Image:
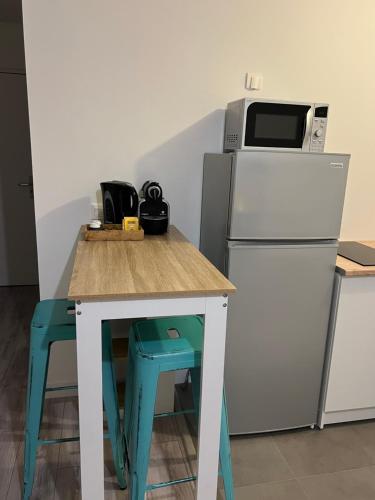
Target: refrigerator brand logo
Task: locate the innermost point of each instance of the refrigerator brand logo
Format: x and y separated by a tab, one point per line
336	165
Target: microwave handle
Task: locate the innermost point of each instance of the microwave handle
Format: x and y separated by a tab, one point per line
307	131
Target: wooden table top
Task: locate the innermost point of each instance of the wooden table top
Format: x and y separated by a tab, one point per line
347	267
167	265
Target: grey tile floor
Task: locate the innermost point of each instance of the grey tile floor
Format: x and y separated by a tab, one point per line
337	463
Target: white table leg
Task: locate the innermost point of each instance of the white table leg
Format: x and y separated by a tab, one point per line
211	397
89	363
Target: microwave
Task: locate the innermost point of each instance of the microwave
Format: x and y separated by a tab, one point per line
281	125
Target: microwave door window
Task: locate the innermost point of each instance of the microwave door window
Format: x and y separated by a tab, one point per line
276	125
279	127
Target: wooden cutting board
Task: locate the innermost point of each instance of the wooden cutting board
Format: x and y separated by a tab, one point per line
112	232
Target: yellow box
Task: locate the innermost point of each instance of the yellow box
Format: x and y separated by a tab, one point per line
130	224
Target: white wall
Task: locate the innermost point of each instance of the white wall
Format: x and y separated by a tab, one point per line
136	90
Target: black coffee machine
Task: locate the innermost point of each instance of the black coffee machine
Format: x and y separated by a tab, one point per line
153	209
120	199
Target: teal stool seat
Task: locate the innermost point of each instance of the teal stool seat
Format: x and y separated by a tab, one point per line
54	320
156	346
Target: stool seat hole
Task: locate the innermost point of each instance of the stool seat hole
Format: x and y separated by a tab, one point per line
173	333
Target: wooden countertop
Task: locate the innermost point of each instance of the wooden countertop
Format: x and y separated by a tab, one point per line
347	267
158	266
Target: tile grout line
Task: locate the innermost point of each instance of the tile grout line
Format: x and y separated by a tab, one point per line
176	441
352	469
187	466
283	458
302	488
262	483
303	476
54	416
58	468
14	468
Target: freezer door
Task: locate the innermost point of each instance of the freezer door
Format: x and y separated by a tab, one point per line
282	195
277	329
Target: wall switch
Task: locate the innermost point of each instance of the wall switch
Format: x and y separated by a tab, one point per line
254	81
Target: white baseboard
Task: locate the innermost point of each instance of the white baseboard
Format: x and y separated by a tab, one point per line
335	417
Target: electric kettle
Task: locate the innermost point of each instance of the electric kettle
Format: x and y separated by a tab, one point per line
120	199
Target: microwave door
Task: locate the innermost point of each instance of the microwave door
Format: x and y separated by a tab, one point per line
276	125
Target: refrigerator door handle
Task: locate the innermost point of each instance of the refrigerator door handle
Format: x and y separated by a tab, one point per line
307	131
285	244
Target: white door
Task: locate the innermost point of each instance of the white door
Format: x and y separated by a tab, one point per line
18	257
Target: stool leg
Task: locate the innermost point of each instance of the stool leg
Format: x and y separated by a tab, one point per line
195	374
145	389
112	409
38	369
129	392
225	454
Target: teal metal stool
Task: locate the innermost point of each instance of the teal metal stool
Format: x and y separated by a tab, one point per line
156	346
54	320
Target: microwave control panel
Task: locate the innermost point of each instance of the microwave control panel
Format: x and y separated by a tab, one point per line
319	128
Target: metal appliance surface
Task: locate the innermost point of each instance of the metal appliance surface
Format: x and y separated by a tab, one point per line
270	222
287	196
286	125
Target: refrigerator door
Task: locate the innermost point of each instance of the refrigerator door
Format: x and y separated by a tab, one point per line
282	195
277	329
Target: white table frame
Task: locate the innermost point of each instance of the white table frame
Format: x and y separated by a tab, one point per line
90	314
